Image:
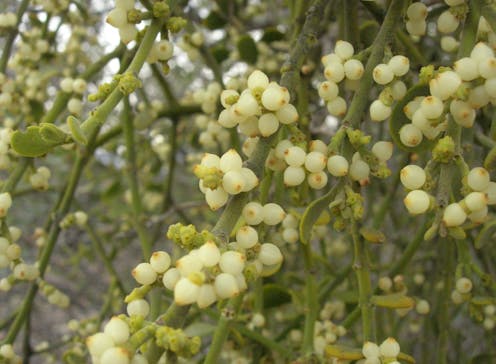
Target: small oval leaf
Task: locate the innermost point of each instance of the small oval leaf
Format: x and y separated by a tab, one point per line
486	234
275	295
372	235
313	213
394	300
490	161
76	131
247	49
343	352
30	143
52	134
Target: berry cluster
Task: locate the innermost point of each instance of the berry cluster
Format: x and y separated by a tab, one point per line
223	176
457	93
474	206
339	66
387	75
107	347
75	87
259	109
212	135
8	354
209	273
416	14
8	20
449	20
208	97
39	179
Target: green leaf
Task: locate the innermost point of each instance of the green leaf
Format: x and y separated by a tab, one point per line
483	359
372	235
30	143
368	32
37	109
486	234
483	300
343	352
52	134
394	300
215	20
490	161
271	34
220	53
275	295
313	213
398	119
76	131
247	49
199	329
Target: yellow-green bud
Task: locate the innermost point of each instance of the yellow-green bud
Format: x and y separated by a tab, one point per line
128	83
161	9
444	151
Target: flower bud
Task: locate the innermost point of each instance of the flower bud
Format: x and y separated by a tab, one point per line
412	177
144	274
186	292
273	214
417	202
226	286
253	213
454	215
270	254
117	329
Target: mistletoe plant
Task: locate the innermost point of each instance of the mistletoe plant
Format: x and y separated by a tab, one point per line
247	181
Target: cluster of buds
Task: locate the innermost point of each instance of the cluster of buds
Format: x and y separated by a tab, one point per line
339	66
259	109
223	176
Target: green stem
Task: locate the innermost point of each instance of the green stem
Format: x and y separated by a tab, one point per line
221	333
311	301
397	268
62	98
98	246
16	175
132	175
98	117
447	254
9	42
361	265
360	100
350	21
